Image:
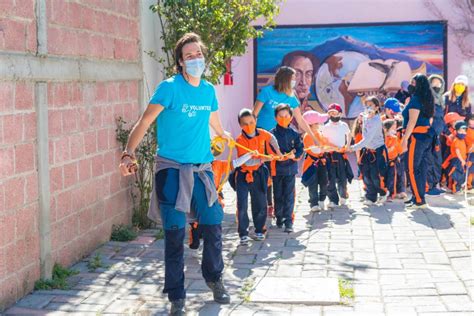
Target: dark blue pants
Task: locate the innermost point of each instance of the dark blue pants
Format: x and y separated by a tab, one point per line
374	172
258	200
395	177
174	223
284	195
337	177
457	173
434	165
419	147
316	179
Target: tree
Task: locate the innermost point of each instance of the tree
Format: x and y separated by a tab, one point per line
225	26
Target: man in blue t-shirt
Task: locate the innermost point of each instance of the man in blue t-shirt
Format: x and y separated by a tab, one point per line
184	106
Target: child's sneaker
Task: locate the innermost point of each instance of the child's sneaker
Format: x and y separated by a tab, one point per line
342	202
382	199
288	228
401	196
315	208
321	205
279	222
259	237
368	203
244	241
332	205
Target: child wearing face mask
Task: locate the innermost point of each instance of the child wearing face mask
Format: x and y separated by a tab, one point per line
457	98
373	155
457	158
338	135
392	109
284	176
252	176
395	173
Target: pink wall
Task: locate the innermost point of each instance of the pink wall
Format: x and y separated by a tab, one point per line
233	98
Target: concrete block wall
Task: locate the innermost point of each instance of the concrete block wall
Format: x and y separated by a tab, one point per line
68	68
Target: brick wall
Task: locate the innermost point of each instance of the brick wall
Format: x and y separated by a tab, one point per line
87	194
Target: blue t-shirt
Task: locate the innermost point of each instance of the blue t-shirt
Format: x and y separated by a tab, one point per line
271	99
183	126
414	104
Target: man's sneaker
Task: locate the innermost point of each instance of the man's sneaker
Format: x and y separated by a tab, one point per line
321	205
259	237
332	205
434	191
177	308
382	199
409	201
401	196
315	208
244	241
288	228
342	202
218	290
368	202
417	205
270	211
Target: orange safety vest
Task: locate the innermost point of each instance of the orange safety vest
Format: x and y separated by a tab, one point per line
394	146
456	144
308	142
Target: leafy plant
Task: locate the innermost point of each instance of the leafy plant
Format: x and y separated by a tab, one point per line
160	234
123	233
346	290
143	183
59	279
95	263
224	26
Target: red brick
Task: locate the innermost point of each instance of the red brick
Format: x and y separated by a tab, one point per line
13	32
26	9
7	161
14	193
84	44
58	12
90	142
54	123
123	91
74	13
96	115
12	129
29	274
79	198
56	179
55	36
84	170
108	116
24	158
51	152
64	205
23	96
7	6
77	146
72	227
101	92
114	181
32	188
31	39
84	118
7	231
61	94
88	18
8	288
69	120
125	49
97	46
6	96
29	126
102	139
113	91
70	174
97	166
3	265
26	223
109	24
109	162
108	45
133	90
61	150
85	220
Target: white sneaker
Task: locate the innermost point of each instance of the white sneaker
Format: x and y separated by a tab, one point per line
342	202
382	199
315	208
244	241
332	205
368	202
321	205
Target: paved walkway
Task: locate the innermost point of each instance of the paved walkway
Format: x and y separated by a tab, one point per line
398	262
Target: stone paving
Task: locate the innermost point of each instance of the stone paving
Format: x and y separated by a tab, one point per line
398	262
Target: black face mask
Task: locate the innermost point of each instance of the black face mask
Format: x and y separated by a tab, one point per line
437	89
411	89
335	119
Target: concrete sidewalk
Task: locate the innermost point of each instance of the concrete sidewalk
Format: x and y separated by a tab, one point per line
398	262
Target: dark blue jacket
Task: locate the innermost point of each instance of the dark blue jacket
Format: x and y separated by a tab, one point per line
456	106
288	139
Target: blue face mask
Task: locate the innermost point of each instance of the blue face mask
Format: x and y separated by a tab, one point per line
195	67
461	136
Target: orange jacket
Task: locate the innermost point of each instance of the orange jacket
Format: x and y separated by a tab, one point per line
469	138
394	146
308	142
461	145
260	142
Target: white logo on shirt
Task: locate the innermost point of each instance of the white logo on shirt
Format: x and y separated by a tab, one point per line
192	110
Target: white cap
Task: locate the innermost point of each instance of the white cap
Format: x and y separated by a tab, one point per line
461	79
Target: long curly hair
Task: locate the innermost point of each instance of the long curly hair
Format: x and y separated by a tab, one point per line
424	94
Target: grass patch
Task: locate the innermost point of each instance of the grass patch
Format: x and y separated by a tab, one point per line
246	289
123	233
346	290
59	280
472	220
160	234
96	263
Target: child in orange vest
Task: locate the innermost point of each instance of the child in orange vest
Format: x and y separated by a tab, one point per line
470	152
457	158
396	174
252	177
315	172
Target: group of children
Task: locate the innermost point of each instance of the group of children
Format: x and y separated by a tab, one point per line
267	158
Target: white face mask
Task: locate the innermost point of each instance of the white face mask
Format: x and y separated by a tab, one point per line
195	67
293	84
